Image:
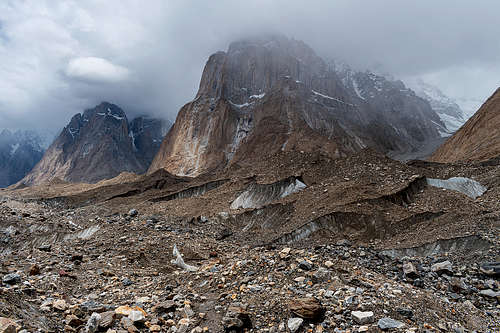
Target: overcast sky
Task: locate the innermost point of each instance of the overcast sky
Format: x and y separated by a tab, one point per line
59	57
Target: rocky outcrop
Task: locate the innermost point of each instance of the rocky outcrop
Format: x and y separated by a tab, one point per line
99	144
19	152
478	139
274	94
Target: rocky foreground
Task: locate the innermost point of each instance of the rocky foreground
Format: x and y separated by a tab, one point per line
140	264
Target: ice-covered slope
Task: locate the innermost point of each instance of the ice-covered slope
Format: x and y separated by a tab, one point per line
447	108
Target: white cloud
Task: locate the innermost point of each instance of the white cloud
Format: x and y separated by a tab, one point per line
96	70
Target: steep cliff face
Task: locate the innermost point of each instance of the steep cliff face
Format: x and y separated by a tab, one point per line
478	139
412	116
147	134
98	144
19	152
271	94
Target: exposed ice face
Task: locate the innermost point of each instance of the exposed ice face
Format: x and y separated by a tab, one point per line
260	95
467	186
258	195
178	261
292	188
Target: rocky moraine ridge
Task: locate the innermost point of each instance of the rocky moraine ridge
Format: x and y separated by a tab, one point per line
302	254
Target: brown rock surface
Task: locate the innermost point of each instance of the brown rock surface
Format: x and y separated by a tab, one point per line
268	95
478	139
307	308
98	144
343	240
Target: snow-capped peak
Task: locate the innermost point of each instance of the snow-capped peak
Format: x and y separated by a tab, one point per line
448	109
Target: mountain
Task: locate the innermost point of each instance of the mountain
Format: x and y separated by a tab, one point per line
99	144
448	109
147	134
478	139
20	150
385	93
273	94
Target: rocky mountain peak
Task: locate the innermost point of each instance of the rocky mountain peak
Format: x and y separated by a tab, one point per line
99	144
271	94
448	109
252	67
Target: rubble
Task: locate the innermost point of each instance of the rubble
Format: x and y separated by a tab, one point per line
408	264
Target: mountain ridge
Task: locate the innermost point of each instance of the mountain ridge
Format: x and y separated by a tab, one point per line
285	82
98	144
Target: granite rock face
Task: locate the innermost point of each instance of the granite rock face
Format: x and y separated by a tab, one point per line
98	144
274	94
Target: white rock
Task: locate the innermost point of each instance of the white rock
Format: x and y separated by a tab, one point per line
442	267
294	324
362	317
136	316
93	323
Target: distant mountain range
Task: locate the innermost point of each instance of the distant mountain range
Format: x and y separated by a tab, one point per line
447	108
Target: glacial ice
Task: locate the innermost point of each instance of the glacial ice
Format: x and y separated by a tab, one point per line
467	186
258	195
180	262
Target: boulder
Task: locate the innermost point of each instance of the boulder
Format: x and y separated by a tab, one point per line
12	278
362	317
307	308
410	271
443	267
389	323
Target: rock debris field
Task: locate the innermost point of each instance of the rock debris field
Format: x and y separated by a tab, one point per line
364	244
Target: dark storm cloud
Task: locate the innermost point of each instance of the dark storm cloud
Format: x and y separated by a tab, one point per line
60	57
